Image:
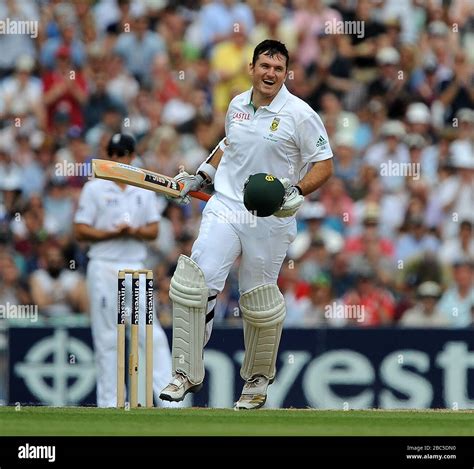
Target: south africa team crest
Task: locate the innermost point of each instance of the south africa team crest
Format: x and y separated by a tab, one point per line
274	125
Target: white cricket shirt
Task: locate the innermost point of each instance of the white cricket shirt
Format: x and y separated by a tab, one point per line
105	206
282	139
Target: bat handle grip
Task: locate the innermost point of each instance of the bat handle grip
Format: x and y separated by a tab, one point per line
200	195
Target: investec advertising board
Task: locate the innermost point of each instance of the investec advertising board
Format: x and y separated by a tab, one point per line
323	368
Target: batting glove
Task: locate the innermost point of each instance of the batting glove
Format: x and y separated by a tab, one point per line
291	202
191	182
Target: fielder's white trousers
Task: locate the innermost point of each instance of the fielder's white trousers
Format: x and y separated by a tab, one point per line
102	286
227	231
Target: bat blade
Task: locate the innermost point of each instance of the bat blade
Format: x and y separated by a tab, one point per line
119	172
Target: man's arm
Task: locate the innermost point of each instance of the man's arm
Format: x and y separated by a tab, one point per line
316	176
147	232
294	194
213	160
84	232
204	174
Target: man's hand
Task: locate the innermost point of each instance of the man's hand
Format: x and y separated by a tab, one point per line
191	182
291	202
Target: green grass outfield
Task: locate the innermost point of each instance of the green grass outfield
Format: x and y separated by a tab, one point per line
75	421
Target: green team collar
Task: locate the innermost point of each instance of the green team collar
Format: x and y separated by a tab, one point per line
278	101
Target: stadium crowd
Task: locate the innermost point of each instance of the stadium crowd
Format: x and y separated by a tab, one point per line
388	240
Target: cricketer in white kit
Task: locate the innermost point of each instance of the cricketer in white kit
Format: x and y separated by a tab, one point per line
268	130
118	219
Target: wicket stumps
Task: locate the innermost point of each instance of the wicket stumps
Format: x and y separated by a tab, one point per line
134	327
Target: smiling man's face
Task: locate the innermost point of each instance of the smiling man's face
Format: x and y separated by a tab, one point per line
268	75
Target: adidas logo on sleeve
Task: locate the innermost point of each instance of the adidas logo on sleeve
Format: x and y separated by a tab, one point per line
321	142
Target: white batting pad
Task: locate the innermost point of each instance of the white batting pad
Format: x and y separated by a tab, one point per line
189	293
263	311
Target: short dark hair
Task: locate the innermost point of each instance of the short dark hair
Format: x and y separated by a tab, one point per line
270	47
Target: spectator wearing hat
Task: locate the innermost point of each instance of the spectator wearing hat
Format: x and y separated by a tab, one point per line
464	142
64	93
458	300
16	45
21	94
313	214
455	193
347	167
416	239
388	210
390	152
423	156
418	119
425	313
388	85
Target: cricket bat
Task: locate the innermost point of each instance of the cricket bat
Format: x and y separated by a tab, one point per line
114	171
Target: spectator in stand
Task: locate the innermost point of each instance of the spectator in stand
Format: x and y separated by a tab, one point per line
57	290
458	300
375	305
65	89
217	19
425	313
457	92
22	94
460	247
13	289
389	84
68	40
139	47
229	63
416	239
317	309
389	153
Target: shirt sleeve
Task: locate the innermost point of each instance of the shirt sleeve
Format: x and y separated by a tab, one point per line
86	212
312	140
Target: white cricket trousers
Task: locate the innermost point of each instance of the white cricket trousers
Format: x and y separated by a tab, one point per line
227	231
102	286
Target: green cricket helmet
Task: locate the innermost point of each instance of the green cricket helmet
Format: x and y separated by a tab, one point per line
263	194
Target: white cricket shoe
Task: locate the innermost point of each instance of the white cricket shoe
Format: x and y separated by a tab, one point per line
254	393
178	388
